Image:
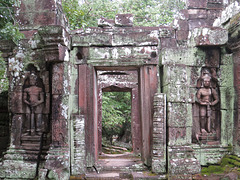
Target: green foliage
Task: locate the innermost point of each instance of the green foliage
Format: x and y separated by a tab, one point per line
3	78
74	13
146	12
8	27
116	113
8	31
6	12
11	32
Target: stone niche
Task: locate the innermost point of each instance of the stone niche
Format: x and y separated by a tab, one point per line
206	110
35	104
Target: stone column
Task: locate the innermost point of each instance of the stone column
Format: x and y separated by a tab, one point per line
159	159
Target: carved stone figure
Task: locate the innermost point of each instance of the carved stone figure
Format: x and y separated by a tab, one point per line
207	97
33	96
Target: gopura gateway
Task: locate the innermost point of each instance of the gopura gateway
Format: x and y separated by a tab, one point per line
184	82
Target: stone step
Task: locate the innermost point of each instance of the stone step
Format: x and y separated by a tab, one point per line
31	138
35	147
120	164
115	175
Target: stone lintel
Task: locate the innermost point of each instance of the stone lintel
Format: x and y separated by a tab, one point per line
119	37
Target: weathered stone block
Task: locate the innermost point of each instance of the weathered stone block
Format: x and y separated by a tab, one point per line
182	161
179	136
181	35
42	174
196	23
213	14
197	13
99	39
73	101
53	37
181	25
210	154
159	134
210	36
59	131
145	38
131	37
177	93
19	170
125	20
166	32
123	56
57	78
158	166
184	14
195	74
102	22
215	4
176	74
197	4
168	43
227	59
46	107
184	166
191	57
17	105
179	114
227	127
228	13
78	163
227	97
226	76
17	124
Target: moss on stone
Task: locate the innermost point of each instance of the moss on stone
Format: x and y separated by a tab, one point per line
229	163
213	169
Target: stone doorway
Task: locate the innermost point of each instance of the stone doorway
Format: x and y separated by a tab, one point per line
143	88
121	81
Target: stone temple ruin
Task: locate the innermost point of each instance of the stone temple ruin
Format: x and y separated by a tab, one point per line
184	80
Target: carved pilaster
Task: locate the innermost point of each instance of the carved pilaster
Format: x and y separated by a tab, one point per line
159	134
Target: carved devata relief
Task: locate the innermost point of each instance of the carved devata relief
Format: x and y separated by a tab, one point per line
206	109
34	99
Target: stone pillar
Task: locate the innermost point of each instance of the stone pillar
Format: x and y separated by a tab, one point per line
78	162
87	108
148	88
159	156
236	136
136	122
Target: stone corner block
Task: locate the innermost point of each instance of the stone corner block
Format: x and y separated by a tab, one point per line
103	22
210	36
124	20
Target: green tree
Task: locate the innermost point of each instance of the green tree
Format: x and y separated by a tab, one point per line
146	12
116	113
3	75
9	30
